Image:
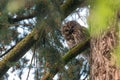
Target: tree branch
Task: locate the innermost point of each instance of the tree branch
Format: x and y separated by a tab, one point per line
20	18
81	47
71	5
72	53
23	46
17	52
66	8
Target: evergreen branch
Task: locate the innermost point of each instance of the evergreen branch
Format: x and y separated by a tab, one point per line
24	45
71	5
66	8
81	47
9	49
17	52
20	18
31	62
72	53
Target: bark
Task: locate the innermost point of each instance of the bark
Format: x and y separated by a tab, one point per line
102	64
23	46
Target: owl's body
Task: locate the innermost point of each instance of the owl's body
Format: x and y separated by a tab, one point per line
74	33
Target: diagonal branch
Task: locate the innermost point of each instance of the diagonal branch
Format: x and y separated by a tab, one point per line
84	45
81	47
17	52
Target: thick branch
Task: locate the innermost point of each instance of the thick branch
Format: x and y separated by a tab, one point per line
75	51
17	52
67	57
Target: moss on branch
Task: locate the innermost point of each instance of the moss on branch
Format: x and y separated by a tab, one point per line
72	53
23	46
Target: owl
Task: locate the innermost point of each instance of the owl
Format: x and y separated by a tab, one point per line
73	33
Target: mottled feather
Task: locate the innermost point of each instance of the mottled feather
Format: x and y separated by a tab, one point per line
73	33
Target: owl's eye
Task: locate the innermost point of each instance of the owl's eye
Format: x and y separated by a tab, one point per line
66	30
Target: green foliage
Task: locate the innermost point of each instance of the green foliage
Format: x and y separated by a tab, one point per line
102	15
49	47
3	4
3	19
6	33
15	5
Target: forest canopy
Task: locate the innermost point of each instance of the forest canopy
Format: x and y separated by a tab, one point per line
32	45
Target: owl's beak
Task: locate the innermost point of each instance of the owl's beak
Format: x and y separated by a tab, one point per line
71	31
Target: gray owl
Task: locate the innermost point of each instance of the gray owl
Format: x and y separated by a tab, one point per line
73	33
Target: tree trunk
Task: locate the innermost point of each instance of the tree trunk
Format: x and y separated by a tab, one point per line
102	65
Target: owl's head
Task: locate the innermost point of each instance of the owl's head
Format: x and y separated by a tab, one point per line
73	33
69	27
